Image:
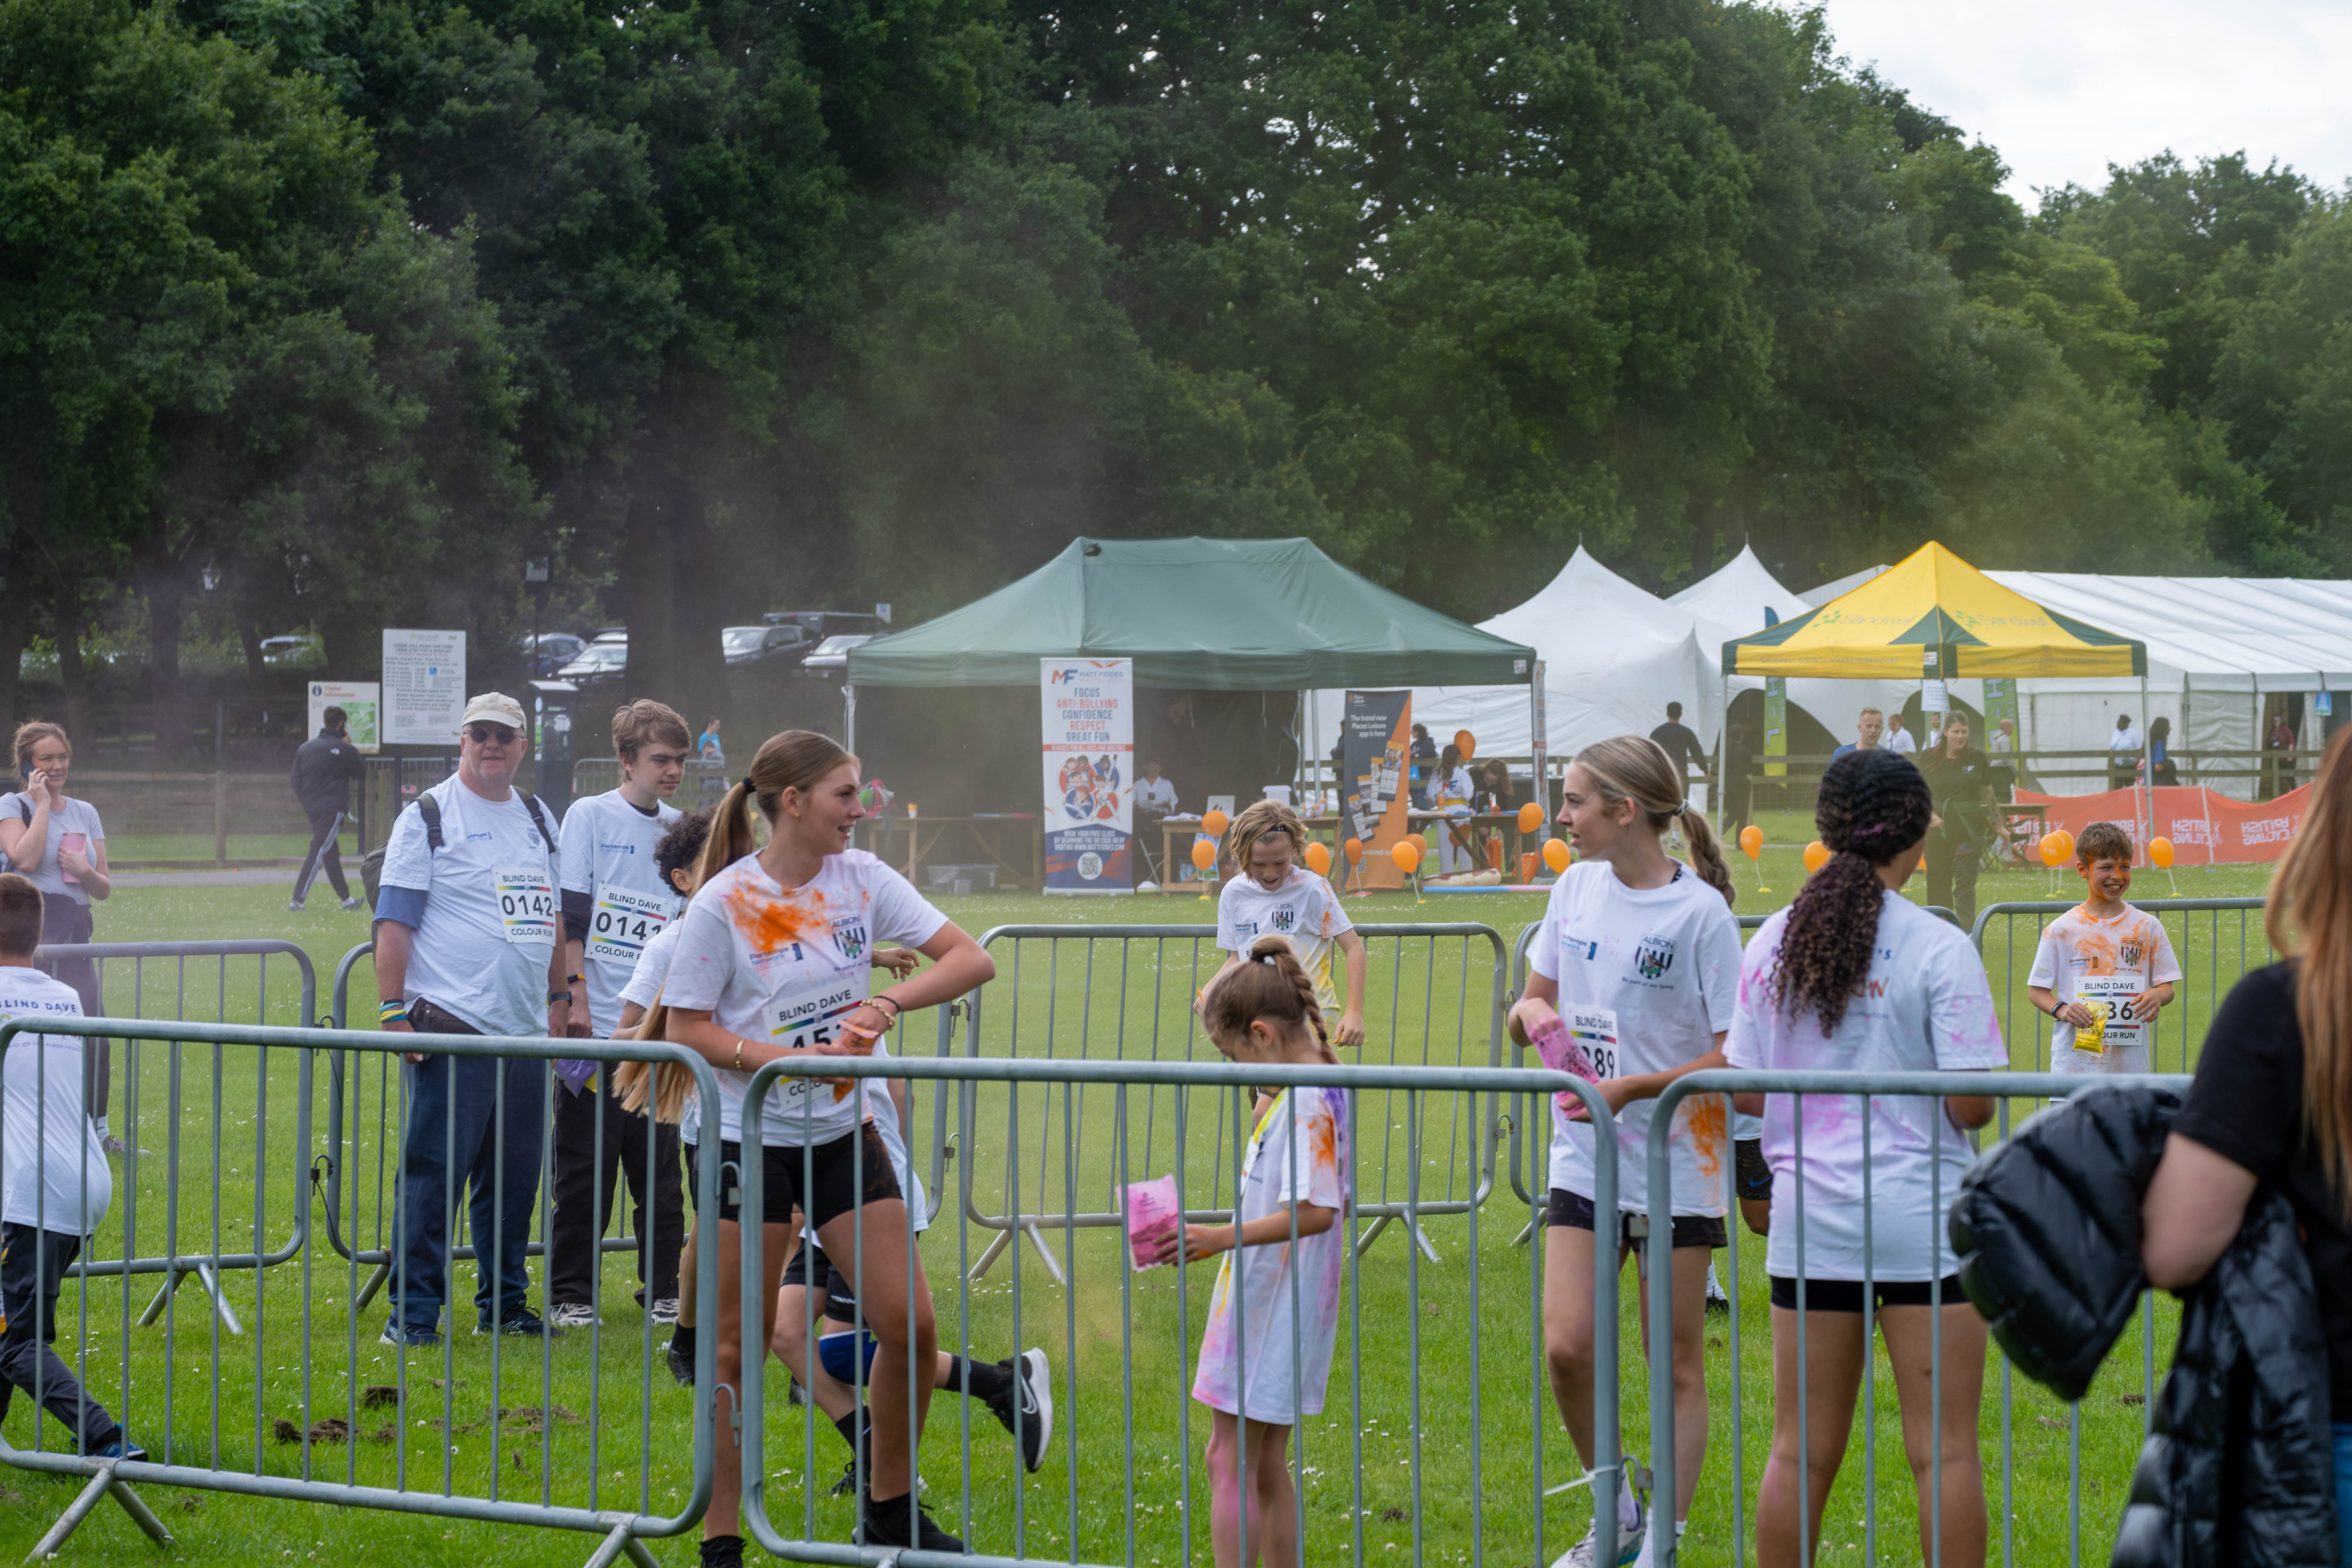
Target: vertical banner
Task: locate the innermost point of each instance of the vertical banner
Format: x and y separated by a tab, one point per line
1776	724
1539	733
1088	706
1376	750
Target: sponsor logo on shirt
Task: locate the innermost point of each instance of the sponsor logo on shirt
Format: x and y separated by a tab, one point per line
618	849
1284	919
1579	947
849	936
1653	957
477	837
1245	928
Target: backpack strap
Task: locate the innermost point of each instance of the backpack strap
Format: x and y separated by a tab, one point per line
539	819
430	810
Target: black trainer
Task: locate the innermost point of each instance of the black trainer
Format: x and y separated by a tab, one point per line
523	1322
1026	1406
401	1334
681	1365
722	1551
901	1522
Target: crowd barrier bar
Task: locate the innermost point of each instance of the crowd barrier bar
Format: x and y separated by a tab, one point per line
175	1264
2004	1087
1484	1133
622	1530
1232	1080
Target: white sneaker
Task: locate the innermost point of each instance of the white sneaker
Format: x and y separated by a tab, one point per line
573	1315
1630	1545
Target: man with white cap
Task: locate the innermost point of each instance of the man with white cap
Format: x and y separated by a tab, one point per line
467	933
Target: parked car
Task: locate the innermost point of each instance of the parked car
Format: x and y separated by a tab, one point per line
821	624
556	649
764	645
832	656
606	658
293	648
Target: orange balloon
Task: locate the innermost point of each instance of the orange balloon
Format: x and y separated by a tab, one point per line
1318	858
1466	744
2161	851
1531	817
1556	854
1354	849
1205	853
1216	823
2053	848
1817	855
1751	842
1406	853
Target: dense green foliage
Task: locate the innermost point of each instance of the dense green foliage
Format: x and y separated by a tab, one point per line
344	307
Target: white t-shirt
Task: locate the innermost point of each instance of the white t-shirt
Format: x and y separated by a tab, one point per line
2123	741
1925	1006
1281	1168
1646	979
1159	793
1450	789
74	817
784	967
1901	740
608	856
42	1182
486	934
1304	908
2082	959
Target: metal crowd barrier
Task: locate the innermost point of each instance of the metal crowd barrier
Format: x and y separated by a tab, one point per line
1125	994
422	1458
161	1246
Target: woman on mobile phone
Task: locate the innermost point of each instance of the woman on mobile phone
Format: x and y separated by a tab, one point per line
57	842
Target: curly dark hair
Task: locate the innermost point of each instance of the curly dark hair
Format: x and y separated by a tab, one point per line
1873	805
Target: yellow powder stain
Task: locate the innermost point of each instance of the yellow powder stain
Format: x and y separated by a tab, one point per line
1703	1114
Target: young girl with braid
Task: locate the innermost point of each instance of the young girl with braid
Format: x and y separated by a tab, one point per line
1854	977
1635	959
1266	1354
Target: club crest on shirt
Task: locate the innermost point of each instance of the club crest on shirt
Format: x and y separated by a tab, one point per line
1653	957
849	936
1282	920
2128	955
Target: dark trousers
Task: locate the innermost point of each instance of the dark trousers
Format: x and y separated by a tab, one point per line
480	1121
585	1178
33	1263
326	854
65	922
1737	800
1952	879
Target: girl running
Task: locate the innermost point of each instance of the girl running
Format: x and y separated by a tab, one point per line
1275	894
1285	1258
1638	955
1853	976
771	963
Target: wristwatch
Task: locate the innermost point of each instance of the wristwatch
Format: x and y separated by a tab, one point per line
555	996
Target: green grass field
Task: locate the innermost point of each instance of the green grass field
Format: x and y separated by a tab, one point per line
539	1427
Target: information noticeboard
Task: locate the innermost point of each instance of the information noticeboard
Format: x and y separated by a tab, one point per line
359	701
423	686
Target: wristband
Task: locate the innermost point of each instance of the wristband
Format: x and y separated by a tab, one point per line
555	996
392	1012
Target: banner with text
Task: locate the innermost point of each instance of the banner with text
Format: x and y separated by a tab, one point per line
2205	828
1089	764
423	686
1376	755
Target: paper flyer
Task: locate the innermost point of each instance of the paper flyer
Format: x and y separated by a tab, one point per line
1153	1211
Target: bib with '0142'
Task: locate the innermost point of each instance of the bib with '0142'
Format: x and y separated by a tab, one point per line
527	906
623	922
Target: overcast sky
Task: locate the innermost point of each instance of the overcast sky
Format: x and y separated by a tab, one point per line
2063	87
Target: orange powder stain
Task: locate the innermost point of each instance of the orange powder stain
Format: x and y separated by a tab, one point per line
773	923
1703	1117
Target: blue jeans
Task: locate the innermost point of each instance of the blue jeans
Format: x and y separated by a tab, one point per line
485	1119
2344	1491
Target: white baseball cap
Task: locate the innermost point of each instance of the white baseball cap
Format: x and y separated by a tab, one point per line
492	707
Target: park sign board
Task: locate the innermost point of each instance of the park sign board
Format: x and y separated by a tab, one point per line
423	686
357	700
1089	760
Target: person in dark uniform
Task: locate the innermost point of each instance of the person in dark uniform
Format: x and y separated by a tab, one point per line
1739	792
1681	746
324	767
1960	778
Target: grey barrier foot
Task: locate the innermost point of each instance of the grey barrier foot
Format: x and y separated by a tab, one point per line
622	1542
375	1283
1052	1264
100	1483
1419	1237
1004	1238
1527	1233
172	1279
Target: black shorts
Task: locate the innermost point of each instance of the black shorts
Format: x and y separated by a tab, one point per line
832	1175
810	1263
1573	1211
1751	1174
1845	1295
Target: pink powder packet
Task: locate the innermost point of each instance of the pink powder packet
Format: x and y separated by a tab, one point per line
1558	1050
1153	1211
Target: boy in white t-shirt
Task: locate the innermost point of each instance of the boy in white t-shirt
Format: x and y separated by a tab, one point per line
2103	970
1276	895
54	1183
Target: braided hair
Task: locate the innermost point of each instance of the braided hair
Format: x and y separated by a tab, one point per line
1268	983
1873	805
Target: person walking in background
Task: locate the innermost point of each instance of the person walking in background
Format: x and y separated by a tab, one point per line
1869	729
707	748
325	767
615	901
1960	777
1854	977
1898	740
2123	754
467	942
1270	893
57	844
1681	746
1738	784
2278	759
2162	771
1423	753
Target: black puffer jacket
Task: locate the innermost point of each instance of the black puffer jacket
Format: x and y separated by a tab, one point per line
2238	1466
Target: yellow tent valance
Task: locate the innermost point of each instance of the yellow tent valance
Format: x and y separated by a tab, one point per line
1935	615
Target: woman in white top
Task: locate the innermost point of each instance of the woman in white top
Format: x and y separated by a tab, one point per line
57	842
771	963
1635	959
1449	792
1855	977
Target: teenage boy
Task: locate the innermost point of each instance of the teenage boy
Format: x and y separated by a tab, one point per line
2102	957
54	1183
616	901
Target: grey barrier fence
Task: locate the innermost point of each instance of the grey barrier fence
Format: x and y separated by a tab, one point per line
1125	1342
412	1464
1130	988
353	1175
161	1246
1936	1530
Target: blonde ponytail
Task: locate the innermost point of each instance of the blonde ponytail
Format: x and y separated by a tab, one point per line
667	1084
1707	854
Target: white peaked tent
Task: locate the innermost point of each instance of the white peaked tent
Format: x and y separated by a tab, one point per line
1737	596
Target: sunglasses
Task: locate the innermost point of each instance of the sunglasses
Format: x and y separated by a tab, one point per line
483	735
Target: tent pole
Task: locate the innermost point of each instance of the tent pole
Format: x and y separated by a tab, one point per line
1722	755
849	719
2146	764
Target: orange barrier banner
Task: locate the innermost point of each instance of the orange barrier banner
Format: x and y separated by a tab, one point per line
2205	828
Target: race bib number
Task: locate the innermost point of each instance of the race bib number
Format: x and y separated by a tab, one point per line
2107	994
623	922
527	906
1595	1029
814	1016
